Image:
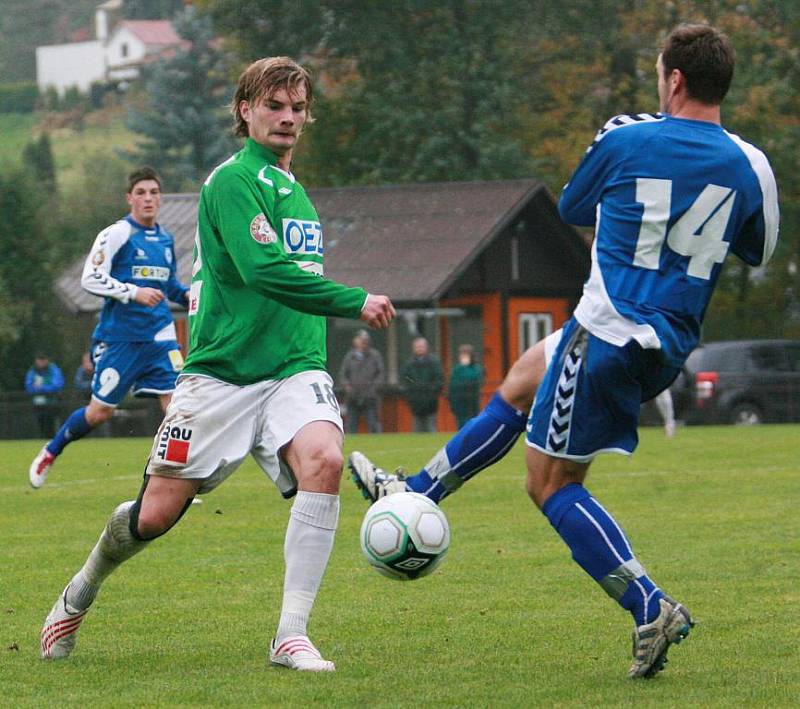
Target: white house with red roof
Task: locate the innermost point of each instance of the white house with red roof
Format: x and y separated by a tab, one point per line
117	53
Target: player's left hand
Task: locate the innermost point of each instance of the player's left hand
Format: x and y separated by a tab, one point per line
148	296
378	311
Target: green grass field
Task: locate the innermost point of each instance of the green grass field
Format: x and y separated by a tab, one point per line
507	621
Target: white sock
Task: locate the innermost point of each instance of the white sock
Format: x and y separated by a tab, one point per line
309	540
665	407
116	544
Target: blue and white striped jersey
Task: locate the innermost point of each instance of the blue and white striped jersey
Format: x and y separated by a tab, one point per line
124	257
668	197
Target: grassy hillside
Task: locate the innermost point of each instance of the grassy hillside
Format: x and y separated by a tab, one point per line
98	135
102	134
16	130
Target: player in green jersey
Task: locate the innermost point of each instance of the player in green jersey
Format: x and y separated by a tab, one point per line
255	380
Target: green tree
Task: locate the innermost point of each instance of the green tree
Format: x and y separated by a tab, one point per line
13	316
27	24
38	242
436	96
151	9
409	91
283	26
38	158
475	89
182	112
25	274
91	203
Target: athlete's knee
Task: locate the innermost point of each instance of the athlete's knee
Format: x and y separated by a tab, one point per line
164	400
327	462
321	469
151	518
117	541
150	523
533	486
547	475
541	486
518	393
518	389
97	413
523	379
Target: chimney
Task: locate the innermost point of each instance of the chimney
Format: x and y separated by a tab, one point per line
101	24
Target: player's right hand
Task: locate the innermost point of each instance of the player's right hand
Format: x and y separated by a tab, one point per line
148	296
378	311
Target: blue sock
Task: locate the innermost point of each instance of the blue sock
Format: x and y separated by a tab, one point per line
482	441
602	550
75	427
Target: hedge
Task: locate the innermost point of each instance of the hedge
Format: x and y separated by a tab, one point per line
18	97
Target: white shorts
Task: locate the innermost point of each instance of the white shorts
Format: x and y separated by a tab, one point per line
210	426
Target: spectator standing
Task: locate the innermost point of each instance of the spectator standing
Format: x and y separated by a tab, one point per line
361	374
43	381
464	391
83	375
423	379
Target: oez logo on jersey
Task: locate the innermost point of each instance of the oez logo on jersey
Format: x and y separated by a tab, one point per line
302	237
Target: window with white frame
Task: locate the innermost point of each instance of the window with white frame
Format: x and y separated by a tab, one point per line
532	328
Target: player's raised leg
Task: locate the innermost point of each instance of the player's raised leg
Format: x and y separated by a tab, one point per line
315	456
481	442
130	528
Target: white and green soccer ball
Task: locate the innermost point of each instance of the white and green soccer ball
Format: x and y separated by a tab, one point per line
405	536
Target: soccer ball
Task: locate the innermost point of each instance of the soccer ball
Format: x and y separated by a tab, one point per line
405	536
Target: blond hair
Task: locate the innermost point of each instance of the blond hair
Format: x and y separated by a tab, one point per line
262	79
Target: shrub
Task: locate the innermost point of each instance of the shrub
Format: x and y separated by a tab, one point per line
18	97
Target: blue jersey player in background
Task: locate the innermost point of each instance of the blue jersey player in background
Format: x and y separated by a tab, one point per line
669	196
134	346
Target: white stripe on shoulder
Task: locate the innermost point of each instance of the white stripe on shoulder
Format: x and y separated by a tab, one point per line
626	119
96	277
214	171
769	193
113	238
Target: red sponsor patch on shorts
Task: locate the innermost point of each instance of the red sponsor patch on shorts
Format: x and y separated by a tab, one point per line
177	451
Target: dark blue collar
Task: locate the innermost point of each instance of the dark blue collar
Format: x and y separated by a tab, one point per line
156	229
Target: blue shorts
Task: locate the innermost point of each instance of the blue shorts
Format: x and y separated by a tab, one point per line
149	368
591	394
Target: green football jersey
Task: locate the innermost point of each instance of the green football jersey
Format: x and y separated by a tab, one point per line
258	299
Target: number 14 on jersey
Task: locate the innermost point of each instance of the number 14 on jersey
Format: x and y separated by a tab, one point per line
698	234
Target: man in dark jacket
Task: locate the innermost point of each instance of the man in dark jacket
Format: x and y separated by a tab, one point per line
423	379
361	374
